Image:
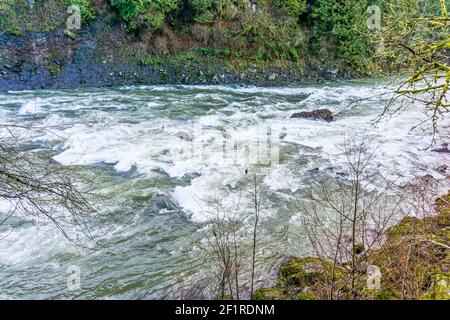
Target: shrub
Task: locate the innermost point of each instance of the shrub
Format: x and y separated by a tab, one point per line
202	9
9	18
346	26
140	13
207	10
292	7
87	11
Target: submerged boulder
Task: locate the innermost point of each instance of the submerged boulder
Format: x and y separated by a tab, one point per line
442	149
163	202
183	136
320	114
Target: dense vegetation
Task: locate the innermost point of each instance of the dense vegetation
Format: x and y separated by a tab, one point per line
297	31
423	46
333	33
305	33
18	16
151	13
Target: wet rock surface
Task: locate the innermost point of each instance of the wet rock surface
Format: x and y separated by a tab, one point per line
321	114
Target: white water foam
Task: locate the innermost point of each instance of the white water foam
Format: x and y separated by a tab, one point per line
144	133
152	142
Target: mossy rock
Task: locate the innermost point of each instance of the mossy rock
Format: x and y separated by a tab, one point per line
269	294
443	209
70	34
306	295
443	206
302	272
440	288
408	225
445	232
386	294
42	16
439	236
443	219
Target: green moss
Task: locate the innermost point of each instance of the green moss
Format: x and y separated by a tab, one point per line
269	294
54	69
443	210
440	288
205	56
407	225
14	31
386	294
273	76
70	34
301	272
224	297
445	232
306	296
428	262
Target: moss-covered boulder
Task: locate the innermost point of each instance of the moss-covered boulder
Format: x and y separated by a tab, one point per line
306	295
439	289
414	262
387	294
406	226
442	206
301	272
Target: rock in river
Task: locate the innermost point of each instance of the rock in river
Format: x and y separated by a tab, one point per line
163	202
442	149
321	114
183	136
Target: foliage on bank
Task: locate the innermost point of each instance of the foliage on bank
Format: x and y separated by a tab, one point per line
320	34
18	17
306	33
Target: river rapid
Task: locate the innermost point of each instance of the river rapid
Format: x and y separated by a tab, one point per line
161	152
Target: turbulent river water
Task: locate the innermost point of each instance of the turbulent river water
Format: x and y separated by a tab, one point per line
159	153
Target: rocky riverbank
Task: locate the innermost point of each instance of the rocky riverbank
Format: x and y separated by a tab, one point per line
55	61
414	263
105	53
